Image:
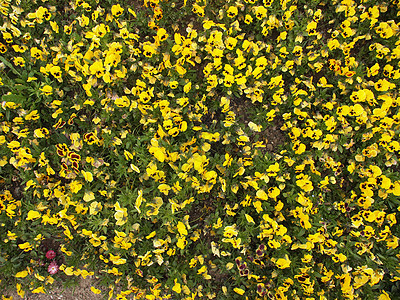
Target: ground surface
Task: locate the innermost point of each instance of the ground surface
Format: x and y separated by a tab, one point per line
81	292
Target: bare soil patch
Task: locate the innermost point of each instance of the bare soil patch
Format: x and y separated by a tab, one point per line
79	292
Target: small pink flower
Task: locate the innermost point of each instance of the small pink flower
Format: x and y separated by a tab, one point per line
53	268
50	254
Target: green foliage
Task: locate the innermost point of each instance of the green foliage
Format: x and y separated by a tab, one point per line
201	149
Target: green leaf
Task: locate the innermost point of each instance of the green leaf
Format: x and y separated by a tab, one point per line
13	98
340	148
301	232
8	64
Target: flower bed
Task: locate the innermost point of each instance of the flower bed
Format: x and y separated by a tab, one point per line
201	149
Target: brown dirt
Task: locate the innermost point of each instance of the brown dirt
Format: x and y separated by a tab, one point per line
274	136
80	292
